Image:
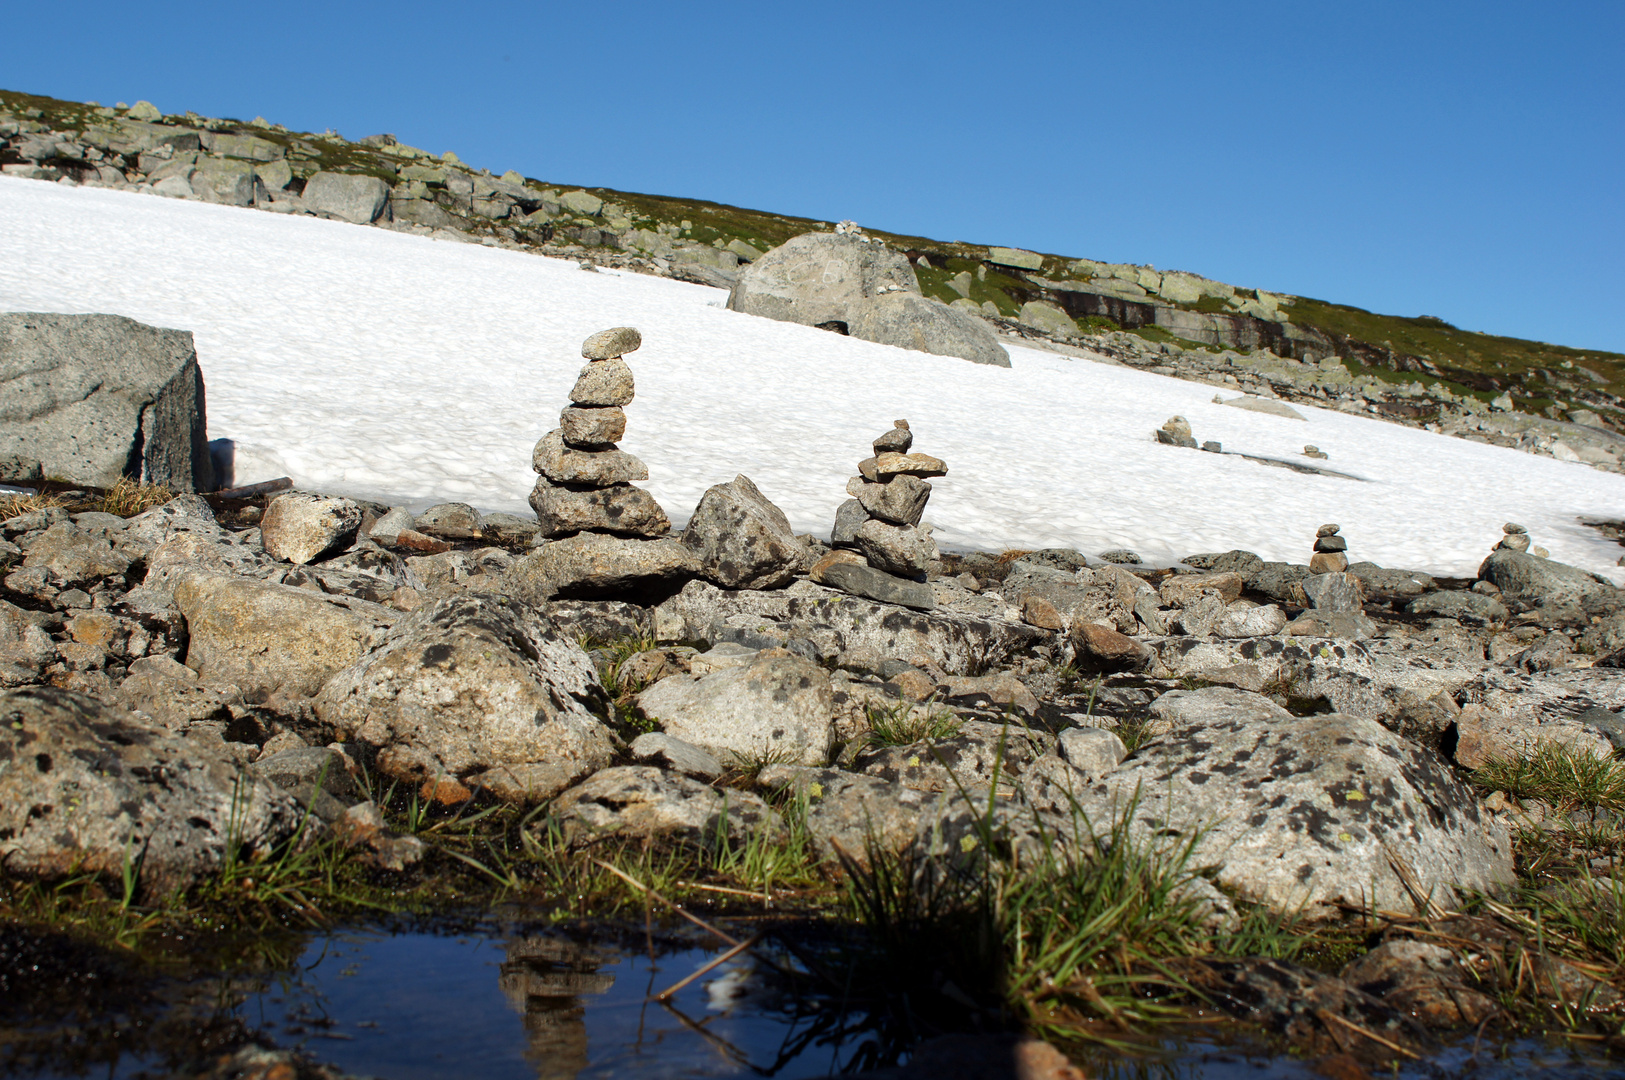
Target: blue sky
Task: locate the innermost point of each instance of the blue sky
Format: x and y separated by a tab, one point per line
1450	159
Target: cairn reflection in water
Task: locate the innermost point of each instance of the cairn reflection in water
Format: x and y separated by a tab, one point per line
544	979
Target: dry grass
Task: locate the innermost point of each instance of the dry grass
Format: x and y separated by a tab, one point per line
12	505
128	498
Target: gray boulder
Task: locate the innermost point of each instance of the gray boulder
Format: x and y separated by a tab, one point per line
778	707
1536	582
564	464
297	527
94	398
865	581
231	183
360	199
25	647
896	549
1337	594
591	564
604	384
91	787
315	777
743	541
476	689
1470	608
623	509
641	801
1092	751
849	518
925	324
1310	811
266	638
450	521
615	342
818	279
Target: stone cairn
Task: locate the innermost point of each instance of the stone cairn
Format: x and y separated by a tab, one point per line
1516	538
1331	551
882	518
585	481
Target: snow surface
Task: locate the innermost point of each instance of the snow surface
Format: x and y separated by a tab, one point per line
385	365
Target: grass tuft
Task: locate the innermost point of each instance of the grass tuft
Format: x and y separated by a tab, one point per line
1565	778
905	723
127	498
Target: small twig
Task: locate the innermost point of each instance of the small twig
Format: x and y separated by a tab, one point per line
1413	885
1372	1035
642	888
724	889
718	961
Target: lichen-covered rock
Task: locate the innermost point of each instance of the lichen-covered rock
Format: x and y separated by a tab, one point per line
743	541
849	814
642	801
622	509
25	648
612	343
479	689
565	464
818	279
1536	582
1312	811
90	787
777	707
592	564
297	527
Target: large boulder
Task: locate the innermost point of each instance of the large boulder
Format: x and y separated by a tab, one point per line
923	324
1536	582
816	279
298	527
592	564
1304	812
475	691
779	707
741	539
232	183
361	199
94	398
267	638
90	787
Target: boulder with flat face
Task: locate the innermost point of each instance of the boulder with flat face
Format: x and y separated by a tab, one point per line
818	279
927	325
742	540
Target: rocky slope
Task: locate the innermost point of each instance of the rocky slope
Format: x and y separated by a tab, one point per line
1537	397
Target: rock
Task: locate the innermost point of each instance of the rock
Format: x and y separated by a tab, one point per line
670	753
1092	751
925	324
1182	589
612	343
91	788
1469	608
621	509
584	203
592	428
298	527
849	518
71	556
1323	562
564	464
1331	543
358	199
592	564
1048	318
392	524
777	707
230	183
509	529
478	689
1341	625
1108	649
1016	257
94	398
1422	980
901	550
743	541
888	465
1536	582
314	776
641	801
451	521
1176	432
862	580
819	278
900	501
171	694
603	383
265	638
1240	562
1261	621
896	441
1333	593
1037	611
1280	581
1213	705
1313	811
850	816
1269	406
25	648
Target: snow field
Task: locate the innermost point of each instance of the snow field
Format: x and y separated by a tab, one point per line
379	364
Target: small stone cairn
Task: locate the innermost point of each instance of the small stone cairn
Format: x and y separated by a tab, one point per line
585	481
1331	551
888	496
1176	432
1516	538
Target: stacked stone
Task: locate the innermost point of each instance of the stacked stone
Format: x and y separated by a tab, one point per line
1516	538
586	482
1331	551
882	518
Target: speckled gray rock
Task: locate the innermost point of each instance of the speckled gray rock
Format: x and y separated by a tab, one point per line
1260	621
899	501
603	383
896	549
849	814
640	800
1304	812
90	785
849	518
614	342
623	509
298	527
1092	751
777	706
872	584
592	564
743	541
1470	608
656	747
349	197
452	521
819	278
1212	704
25	648
478	688
1333	593
592	428
1536	582
925	324
563	464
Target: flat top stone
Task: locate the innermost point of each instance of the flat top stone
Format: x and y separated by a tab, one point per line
1328	530
1512	528
608	344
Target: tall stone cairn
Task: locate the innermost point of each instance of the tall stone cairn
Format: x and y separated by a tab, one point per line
1331	552
585	482
889	494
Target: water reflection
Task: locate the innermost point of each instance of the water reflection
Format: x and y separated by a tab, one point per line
544	978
